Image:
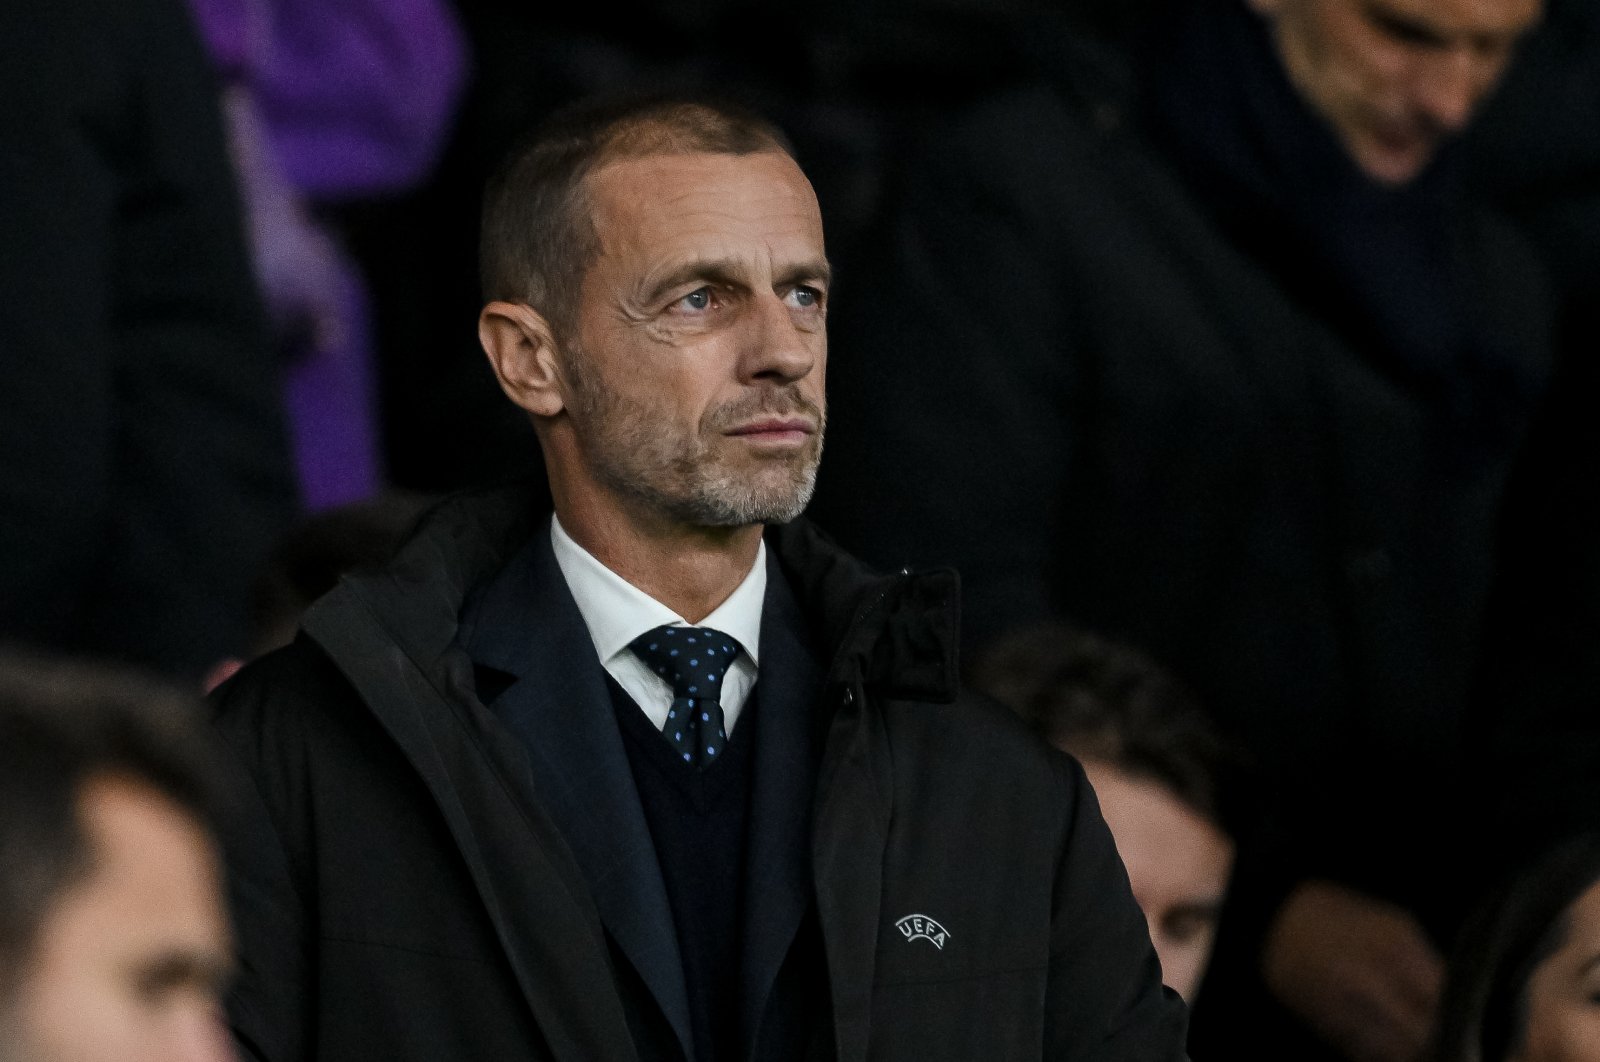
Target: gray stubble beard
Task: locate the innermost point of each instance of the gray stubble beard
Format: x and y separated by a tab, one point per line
686	483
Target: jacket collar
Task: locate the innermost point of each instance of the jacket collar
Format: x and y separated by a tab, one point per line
894	634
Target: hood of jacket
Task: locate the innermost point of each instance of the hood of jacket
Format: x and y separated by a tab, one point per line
894	635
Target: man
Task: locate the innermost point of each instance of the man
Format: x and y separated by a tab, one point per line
143	466
1157	768
1395	80
113	941
647	778
1241	367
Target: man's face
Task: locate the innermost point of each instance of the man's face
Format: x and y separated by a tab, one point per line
129	962
1563	1015
1397	78
695	375
1178	864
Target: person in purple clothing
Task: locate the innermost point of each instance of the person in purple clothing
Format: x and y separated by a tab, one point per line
329	101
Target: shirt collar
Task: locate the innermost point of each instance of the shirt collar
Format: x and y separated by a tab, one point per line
616	612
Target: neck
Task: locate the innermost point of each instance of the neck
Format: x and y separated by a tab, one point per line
689	569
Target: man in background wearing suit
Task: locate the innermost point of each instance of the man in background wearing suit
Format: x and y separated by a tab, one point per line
662	774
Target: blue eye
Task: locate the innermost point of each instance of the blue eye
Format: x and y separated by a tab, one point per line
806	298
698	299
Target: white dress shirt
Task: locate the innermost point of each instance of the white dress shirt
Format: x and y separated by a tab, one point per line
616	612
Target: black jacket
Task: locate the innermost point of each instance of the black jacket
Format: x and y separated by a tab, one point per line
412	880
144	470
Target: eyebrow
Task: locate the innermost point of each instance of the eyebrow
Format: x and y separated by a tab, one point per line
1417	29
819	270
730	272
187	967
1407	27
1205	909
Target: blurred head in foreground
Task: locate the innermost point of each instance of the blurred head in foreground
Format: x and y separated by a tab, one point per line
1524	985
1155	765
114	944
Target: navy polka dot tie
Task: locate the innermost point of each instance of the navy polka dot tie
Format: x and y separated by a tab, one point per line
693	661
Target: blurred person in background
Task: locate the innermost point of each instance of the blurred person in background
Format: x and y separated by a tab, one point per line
114	944
1206	343
1525	978
1157	767
329	102
310	560
143	465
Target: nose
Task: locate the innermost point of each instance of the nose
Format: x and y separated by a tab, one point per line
780	348
1450	88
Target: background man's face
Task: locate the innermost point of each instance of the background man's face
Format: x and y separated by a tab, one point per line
1563	1019
129	961
1397	78
697	366
1178	864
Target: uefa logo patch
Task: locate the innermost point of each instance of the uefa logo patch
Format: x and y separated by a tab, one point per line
921	927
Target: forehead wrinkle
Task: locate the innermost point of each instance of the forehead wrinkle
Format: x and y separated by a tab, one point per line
757	199
704	240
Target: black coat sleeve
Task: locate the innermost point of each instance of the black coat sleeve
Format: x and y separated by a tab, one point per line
1105	1000
259	715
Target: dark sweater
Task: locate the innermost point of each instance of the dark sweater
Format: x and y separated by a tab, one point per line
697	820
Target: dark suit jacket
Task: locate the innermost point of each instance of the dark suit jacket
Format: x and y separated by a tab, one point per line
144	469
525	619
418	875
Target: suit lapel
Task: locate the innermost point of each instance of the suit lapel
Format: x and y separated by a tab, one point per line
530	886
778	875
526	625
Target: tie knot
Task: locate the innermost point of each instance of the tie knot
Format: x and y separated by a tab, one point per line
693	660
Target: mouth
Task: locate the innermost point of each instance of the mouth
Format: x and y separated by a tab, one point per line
1399	137
779	431
1394	156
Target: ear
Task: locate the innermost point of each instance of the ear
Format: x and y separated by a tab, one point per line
522	351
